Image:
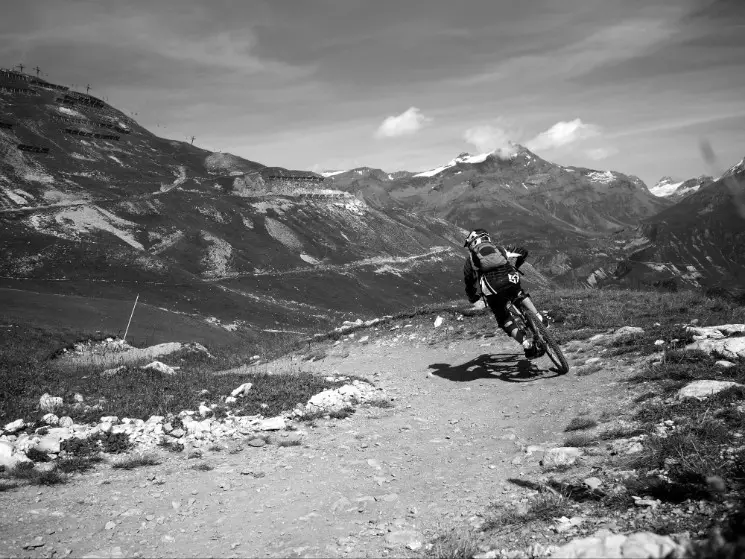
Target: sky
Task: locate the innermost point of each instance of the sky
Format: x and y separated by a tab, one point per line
629	85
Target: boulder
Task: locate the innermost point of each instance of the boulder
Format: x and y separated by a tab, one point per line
722	364
48	444
626	333
702	389
114	371
272	424
49	403
159	367
715	332
727	348
607	546
561	456
50	419
14	426
242	390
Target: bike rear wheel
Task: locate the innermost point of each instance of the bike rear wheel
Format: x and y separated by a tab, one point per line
552	348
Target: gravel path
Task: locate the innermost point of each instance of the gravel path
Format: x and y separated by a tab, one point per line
371	484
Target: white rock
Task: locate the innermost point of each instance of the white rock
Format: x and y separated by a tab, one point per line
702	389
242	390
66	422
715	332
230	399
78	398
204	411
593	482
565	524
562	456
160	368
114	371
105	427
49	403
641	544
48	444
438	321
113	419
6	450
363	339
273	424
724	364
727	348
14	426
50	419
626	332
154	420
659	342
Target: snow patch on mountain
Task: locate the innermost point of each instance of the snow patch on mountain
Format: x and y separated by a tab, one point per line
602	177
331	173
462	158
665	187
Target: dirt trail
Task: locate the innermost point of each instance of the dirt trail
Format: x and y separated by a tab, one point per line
356	487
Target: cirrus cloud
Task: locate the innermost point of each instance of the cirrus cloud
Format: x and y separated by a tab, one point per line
561	134
600	153
408	122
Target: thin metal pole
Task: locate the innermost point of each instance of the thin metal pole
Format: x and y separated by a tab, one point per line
130	317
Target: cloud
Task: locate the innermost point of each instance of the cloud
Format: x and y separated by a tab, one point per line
408	122
487	138
600	153
561	134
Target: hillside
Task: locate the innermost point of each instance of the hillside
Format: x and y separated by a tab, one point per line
697	242
93	204
573	219
676	190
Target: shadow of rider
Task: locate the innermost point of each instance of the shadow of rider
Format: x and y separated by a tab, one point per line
507	368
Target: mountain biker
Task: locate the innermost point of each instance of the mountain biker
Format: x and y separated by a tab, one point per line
488	273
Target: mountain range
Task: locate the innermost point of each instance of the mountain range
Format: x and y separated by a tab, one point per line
93	204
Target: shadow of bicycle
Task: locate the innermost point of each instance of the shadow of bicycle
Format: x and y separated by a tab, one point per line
507	368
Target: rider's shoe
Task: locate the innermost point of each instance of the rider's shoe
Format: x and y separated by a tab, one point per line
531	350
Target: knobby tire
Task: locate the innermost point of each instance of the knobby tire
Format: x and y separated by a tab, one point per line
552	348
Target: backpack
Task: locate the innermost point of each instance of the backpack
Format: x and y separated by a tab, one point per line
487	257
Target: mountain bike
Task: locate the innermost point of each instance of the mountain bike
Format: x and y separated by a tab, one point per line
531	324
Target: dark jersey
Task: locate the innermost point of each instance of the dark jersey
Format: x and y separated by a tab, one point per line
491	272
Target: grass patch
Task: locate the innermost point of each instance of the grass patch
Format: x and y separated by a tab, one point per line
289	442
343	413
139	461
78	464
543	507
171	446
580	440
579	423
26	471
620	433
37	455
203	467
26	372
455	543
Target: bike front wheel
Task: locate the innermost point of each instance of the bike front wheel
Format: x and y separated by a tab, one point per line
552	348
